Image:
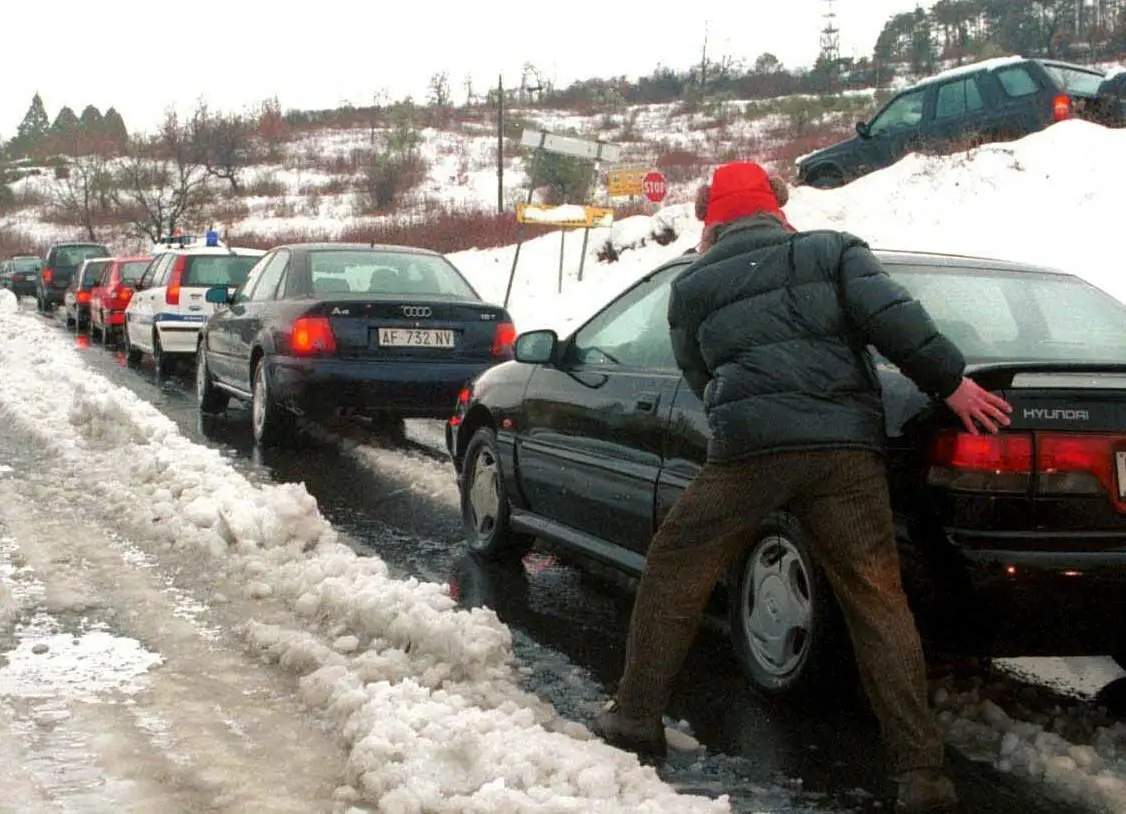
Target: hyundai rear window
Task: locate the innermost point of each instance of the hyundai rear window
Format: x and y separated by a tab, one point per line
131	272
1019	316
1073	80
219	269
378	273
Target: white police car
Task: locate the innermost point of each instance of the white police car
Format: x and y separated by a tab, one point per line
168	308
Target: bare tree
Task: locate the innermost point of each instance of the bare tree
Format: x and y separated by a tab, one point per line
84	196
162	180
440	95
222	143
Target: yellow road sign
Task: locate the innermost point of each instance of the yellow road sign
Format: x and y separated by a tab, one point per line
571	216
625	182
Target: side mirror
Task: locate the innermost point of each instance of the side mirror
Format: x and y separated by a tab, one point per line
217	295
536	347
863	130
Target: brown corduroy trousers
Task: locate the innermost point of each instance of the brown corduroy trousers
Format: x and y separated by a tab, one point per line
841	499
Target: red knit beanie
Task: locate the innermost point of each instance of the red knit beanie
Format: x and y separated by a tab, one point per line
741	189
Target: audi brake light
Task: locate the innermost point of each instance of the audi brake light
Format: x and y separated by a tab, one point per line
1061	107
312	335
504	339
83	296
172	292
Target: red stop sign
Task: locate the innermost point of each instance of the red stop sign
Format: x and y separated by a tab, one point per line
655	186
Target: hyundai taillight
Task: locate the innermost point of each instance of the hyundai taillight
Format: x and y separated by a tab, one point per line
504	338
1044	463
312	335
172	291
48	275
1061	107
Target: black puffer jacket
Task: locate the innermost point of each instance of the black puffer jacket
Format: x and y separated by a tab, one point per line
759	329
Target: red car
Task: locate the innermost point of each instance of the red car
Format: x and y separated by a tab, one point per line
112	293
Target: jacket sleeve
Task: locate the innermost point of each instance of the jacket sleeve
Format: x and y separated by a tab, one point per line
683	327
888	317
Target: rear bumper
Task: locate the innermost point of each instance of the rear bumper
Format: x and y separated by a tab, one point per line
179	334
1038	599
54	296
22	288
319	386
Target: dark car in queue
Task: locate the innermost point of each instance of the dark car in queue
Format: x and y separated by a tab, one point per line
20	274
387	332
1012	544
59	266
76	298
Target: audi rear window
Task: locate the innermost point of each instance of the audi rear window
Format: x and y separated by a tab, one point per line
378	273
219	269
27	264
1019	316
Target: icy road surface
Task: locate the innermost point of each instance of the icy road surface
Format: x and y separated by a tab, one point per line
114	696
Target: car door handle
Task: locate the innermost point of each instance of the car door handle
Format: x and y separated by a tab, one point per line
647	401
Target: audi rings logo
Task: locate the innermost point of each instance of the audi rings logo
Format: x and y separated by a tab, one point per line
416	311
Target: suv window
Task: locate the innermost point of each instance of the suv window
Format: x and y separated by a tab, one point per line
72	256
633	331
1017	82
902	113
1073	80
958	98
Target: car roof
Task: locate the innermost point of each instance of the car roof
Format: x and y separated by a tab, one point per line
367	247
996	64
208	250
904	257
907	257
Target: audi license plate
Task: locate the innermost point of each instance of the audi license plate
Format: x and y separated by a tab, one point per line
415	338
1120	467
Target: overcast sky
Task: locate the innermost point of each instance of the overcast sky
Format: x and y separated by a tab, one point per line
140	56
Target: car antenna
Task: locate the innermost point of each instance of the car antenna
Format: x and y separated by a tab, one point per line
372	244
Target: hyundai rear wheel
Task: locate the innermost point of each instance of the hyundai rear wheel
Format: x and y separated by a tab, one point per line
785	625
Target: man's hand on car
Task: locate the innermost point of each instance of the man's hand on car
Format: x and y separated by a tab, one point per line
971	402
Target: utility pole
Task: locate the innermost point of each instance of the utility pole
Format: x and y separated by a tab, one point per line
704	61
500	144
830	46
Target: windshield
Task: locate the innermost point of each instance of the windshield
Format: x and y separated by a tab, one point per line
131	272
67	256
26	264
218	269
1074	80
1026	316
357	271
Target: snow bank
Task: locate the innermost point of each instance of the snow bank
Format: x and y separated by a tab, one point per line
536	300
8	302
1054	198
424	694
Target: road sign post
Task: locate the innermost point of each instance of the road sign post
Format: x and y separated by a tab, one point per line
541	140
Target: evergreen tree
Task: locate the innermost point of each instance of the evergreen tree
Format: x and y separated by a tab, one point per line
32	129
91	121
116	134
65	123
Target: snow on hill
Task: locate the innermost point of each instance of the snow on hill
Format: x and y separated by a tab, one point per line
1054	198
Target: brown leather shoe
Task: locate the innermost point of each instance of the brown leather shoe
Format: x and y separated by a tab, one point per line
926	791
644	738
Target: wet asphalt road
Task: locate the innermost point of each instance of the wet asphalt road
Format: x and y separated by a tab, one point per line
569	627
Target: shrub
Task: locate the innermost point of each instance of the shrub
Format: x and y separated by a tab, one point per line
265	186
680	166
17	241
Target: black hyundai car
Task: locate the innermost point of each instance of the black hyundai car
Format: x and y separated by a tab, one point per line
1012	544
387	332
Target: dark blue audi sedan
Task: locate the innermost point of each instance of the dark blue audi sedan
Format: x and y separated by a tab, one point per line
320	329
